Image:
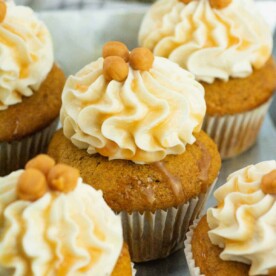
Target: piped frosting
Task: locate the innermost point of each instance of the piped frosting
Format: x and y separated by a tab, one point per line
211	43
244	222
26	54
154	112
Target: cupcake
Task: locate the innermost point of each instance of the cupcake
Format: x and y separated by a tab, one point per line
227	45
238	236
30	87
132	126
54	224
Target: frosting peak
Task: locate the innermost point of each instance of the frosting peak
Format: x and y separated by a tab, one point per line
148	116
211	43
73	233
244	223
26	54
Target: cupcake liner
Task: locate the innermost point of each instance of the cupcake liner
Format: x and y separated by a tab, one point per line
194	270
156	235
133	270
15	155
234	134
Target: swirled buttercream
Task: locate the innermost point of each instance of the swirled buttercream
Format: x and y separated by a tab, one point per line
26	55
210	43
244	222
59	234
148	116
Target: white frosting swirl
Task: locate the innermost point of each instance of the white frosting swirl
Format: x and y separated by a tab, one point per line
59	234
210	43
244	223
152	114
26	55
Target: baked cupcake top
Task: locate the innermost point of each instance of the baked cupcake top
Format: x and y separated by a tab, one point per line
244	222
132	106
213	39
53	224
26	53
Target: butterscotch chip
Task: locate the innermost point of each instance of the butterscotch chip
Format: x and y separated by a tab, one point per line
42	162
63	178
219	4
116	48
115	68
141	59
268	184
32	185
3	10
186	1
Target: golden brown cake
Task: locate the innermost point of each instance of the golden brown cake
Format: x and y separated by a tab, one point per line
132	126
34	113
123	265
241	94
31	85
238	236
61	225
227	45
132	187
206	255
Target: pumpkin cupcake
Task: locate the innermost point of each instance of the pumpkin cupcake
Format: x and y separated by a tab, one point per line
238	237
54	224
30	86
227	45
131	125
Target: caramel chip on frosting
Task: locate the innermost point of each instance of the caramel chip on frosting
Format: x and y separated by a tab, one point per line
220	4
32	185
268	184
116	48
41	162
186	1
141	59
3	10
63	178
115	68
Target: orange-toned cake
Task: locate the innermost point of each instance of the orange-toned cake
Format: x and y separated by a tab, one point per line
30	86
238	236
54	224
227	45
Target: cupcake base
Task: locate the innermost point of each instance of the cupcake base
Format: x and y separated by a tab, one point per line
14	155
200	251
234	134
156	235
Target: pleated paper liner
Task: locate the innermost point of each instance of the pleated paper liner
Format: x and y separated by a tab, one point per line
15	155
152	236
235	134
194	271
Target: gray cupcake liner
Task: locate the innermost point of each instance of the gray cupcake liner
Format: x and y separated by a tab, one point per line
194	270
235	134
152	236
15	155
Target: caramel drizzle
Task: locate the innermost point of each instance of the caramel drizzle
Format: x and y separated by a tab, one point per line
204	165
173	180
149	194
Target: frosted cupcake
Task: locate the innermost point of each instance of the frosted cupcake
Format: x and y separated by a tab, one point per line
54	224
238	236
228	46
30	86
132	126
